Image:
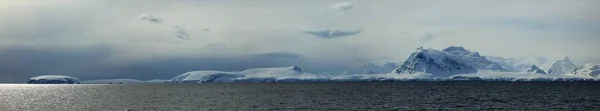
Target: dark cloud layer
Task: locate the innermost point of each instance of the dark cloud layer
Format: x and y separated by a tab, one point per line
19	63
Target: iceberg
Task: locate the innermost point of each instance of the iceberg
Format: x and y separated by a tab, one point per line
53	79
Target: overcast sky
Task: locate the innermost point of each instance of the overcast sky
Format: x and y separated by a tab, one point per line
102	39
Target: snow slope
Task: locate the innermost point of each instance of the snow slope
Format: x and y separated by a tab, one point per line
520	76
587	70
437	63
53	79
276	74
520	64
473	59
375	69
564	66
535	69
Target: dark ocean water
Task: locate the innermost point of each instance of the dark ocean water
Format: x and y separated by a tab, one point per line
306	96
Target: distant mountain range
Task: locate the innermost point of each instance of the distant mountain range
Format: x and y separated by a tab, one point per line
452	63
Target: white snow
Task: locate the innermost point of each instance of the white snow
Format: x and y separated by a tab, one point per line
522	76
473	59
520	64
587	70
53	79
535	69
564	66
435	62
281	74
375	69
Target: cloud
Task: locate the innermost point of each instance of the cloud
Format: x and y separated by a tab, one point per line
342	6
280	55
331	33
178	31
181	33
150	18
428	37
431	36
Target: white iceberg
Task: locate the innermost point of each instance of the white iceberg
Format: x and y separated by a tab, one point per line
53	79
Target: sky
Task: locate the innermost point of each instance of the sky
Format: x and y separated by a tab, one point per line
159	39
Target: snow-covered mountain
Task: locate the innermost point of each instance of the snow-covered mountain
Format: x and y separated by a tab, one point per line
535	69
205	76
588	70
53	79
564	66
520	64
473	59
375	69
435	62
283	74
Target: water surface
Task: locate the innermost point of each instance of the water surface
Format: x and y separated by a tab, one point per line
306	96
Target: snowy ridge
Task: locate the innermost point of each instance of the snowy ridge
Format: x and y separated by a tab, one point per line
474	59
535	69
520	64
438	63
375	69
519	76
53	79
587	70
277	74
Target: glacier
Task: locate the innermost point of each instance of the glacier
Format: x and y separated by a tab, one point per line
587	70
276	74
53	79
371	68
520	64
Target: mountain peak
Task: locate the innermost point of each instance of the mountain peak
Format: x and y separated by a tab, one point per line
563	66
566	58
455	48
296	68
536	69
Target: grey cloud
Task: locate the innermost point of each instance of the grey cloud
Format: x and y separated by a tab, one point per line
18	63
150	18
178	31
331	33
280	55
430	36
342	6
181	33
